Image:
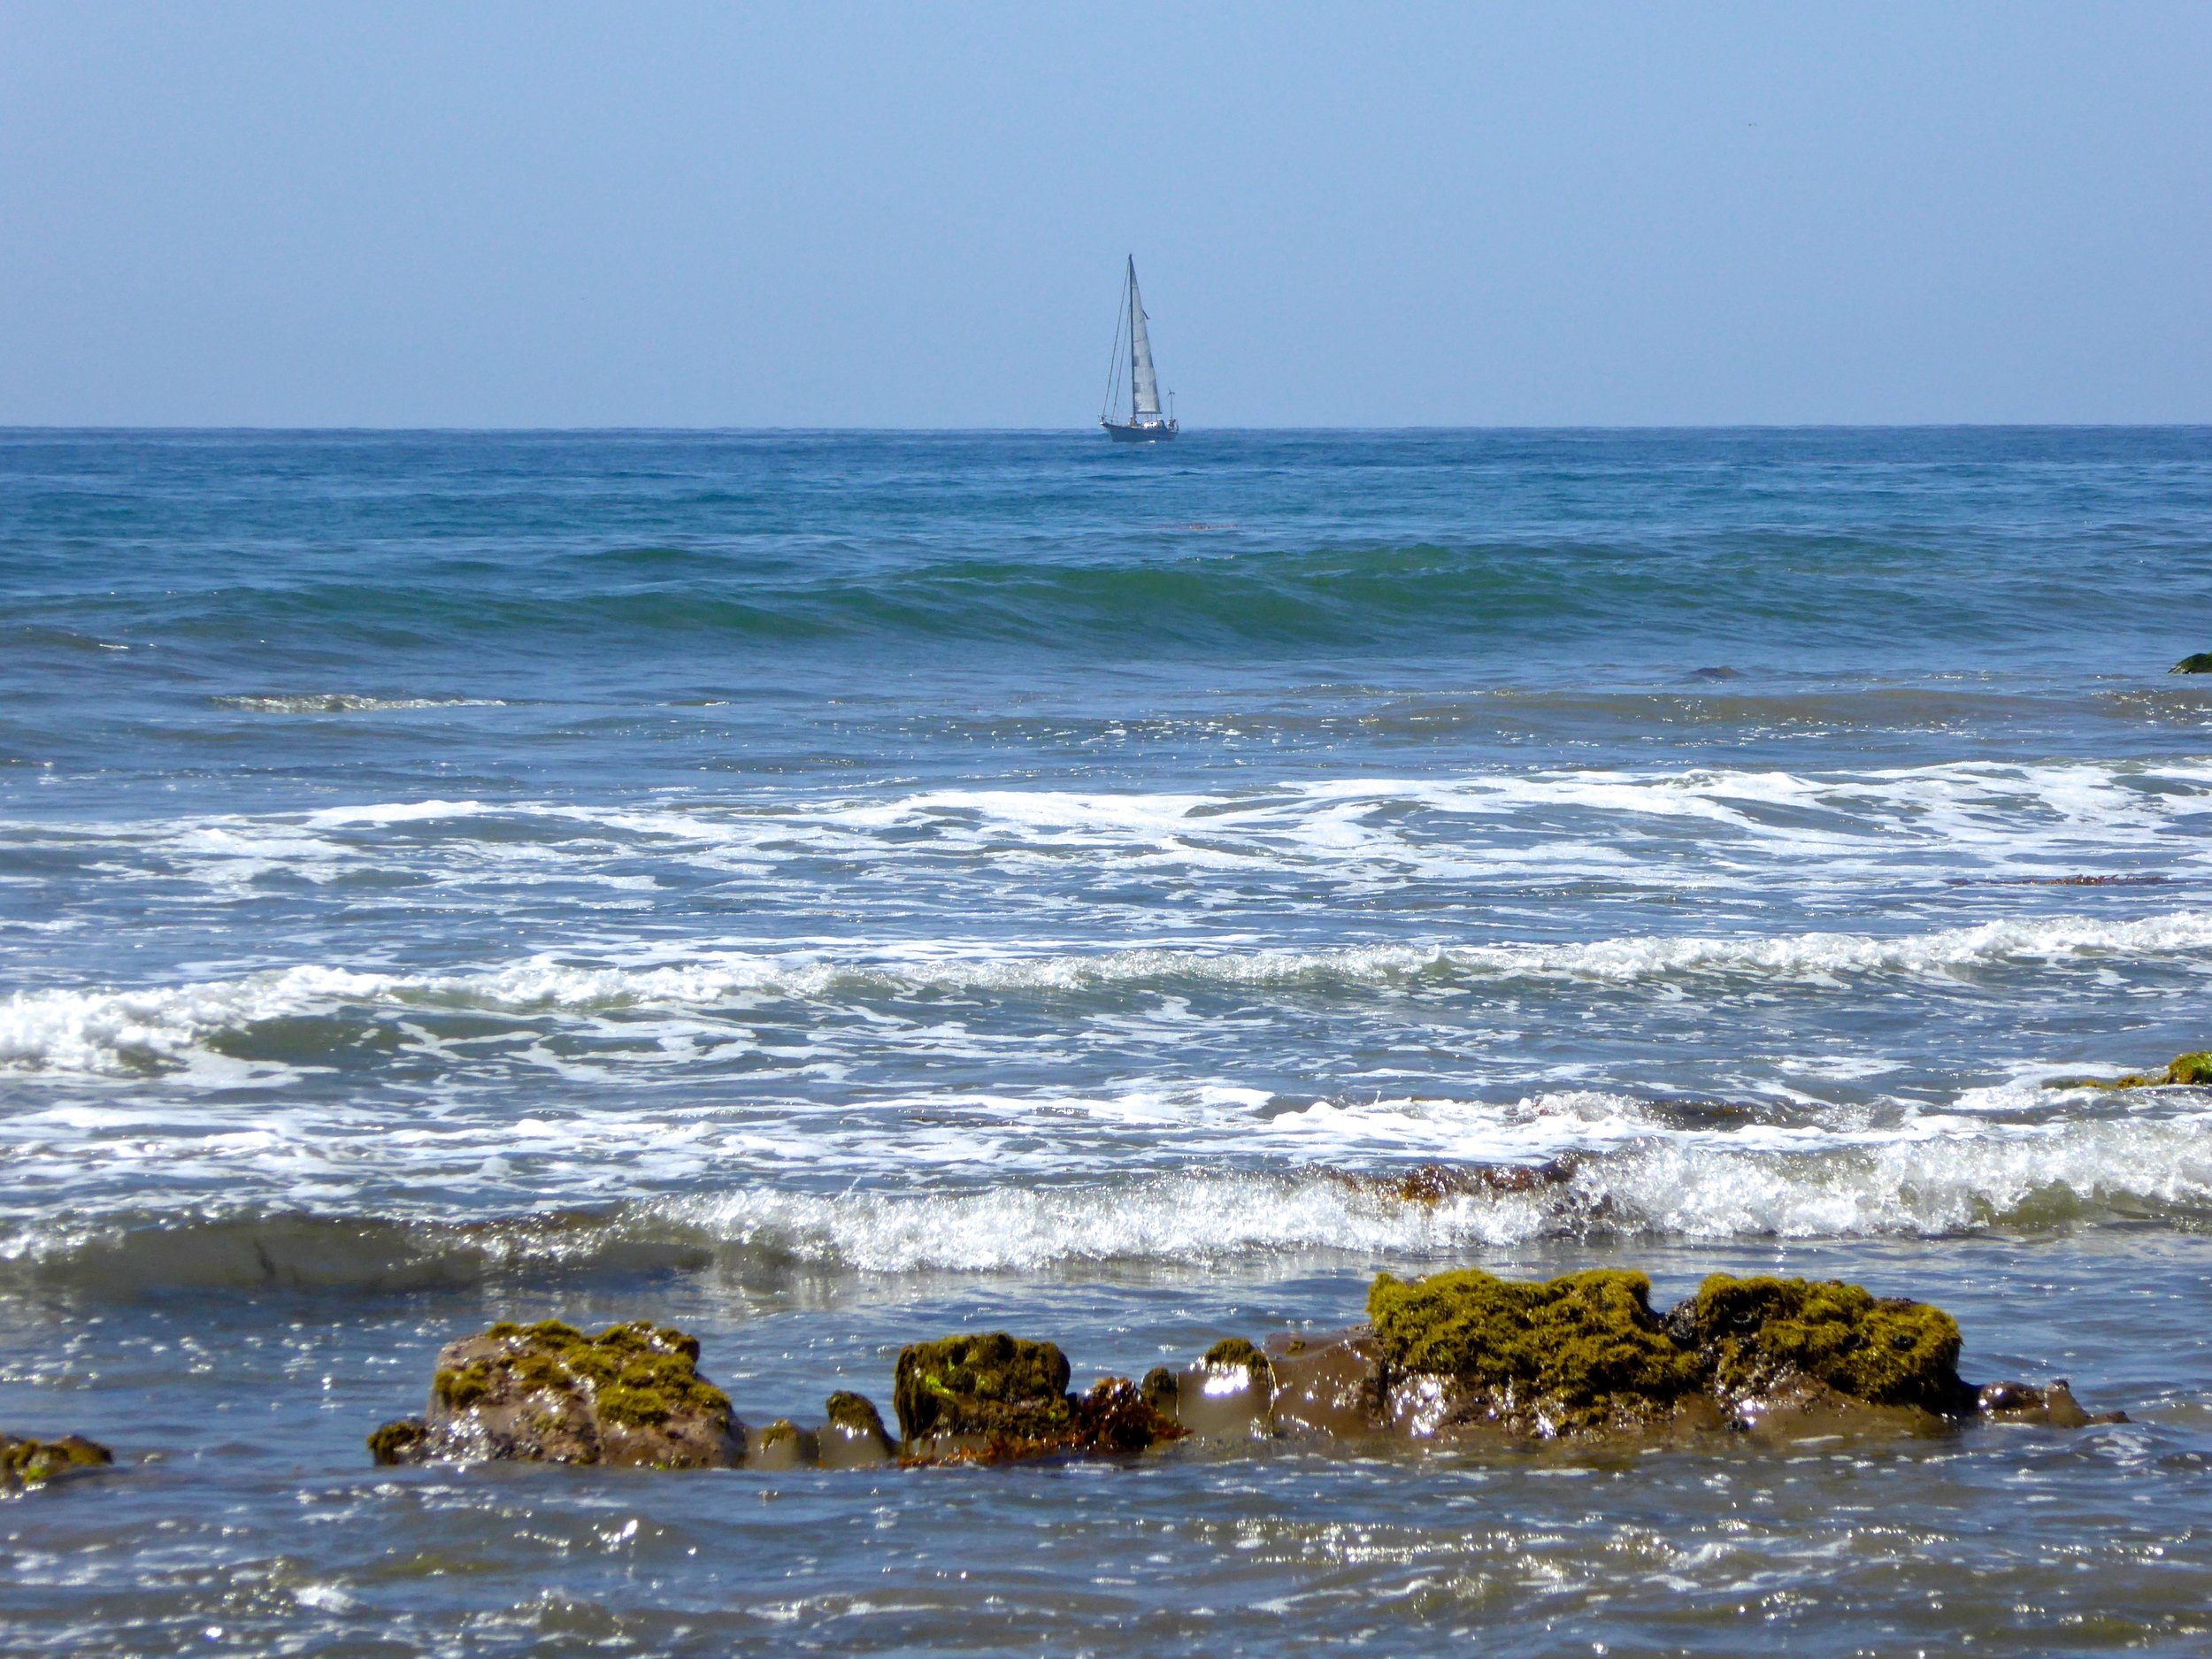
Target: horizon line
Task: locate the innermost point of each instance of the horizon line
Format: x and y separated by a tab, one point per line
87	427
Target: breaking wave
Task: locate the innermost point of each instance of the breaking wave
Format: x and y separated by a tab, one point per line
109	1030
2061	1174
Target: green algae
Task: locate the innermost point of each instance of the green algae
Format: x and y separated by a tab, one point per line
2195	662
1755	1331
33	1463
2189	1070
985	1384
639	1374
1578	1343
782	1429
402	1442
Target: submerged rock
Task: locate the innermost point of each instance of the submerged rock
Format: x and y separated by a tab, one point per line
25	1462
546	1393
783	1444
2053	1405
996	1398
854	1436
2196	662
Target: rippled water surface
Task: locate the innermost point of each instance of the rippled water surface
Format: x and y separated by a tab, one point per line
829	890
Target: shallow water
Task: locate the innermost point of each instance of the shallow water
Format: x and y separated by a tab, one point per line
830	890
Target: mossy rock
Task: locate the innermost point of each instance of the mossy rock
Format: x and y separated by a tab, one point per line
1576	1345
991	1384
1758	1332
549	1392
2196	662
31	1463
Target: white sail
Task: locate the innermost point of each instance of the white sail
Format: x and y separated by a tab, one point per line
1144	384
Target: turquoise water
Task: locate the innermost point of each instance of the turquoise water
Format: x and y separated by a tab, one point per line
833	889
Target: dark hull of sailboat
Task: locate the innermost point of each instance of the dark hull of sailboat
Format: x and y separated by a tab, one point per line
1160	433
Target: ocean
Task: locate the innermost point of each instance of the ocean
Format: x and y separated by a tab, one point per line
832	890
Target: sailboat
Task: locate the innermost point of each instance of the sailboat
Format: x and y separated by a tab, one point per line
1145	425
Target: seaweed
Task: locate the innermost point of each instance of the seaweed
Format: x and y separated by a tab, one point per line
1577	1344
1888	1351
986	1384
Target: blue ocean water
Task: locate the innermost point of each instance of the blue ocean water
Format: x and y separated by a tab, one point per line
833	889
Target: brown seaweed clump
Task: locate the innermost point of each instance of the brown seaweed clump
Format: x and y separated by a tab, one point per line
547	1393
26	1462
995	1398
1570	1353
1760	1336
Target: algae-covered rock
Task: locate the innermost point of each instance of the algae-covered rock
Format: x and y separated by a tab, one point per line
1758	1334
2193	1070
25	1462
854	1436
2195	662
1569	1352
547	1393
995	1398
992	1385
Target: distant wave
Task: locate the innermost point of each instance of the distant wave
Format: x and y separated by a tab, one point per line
121	1030
1187	590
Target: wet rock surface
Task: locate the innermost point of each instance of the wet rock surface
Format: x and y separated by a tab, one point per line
547	1393
25	1462
2195	662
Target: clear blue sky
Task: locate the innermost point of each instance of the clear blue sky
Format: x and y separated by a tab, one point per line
915	215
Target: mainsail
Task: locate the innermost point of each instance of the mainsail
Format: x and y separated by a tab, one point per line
1142	382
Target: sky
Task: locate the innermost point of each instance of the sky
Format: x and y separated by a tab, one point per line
864	215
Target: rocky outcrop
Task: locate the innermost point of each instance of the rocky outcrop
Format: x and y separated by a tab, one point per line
1461	1355
995	1398
1469	1355
546	1393
26	1462
2196	662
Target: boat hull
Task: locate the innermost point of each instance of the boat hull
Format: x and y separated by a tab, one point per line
1160	433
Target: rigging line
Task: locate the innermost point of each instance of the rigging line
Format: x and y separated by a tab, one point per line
1113	356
